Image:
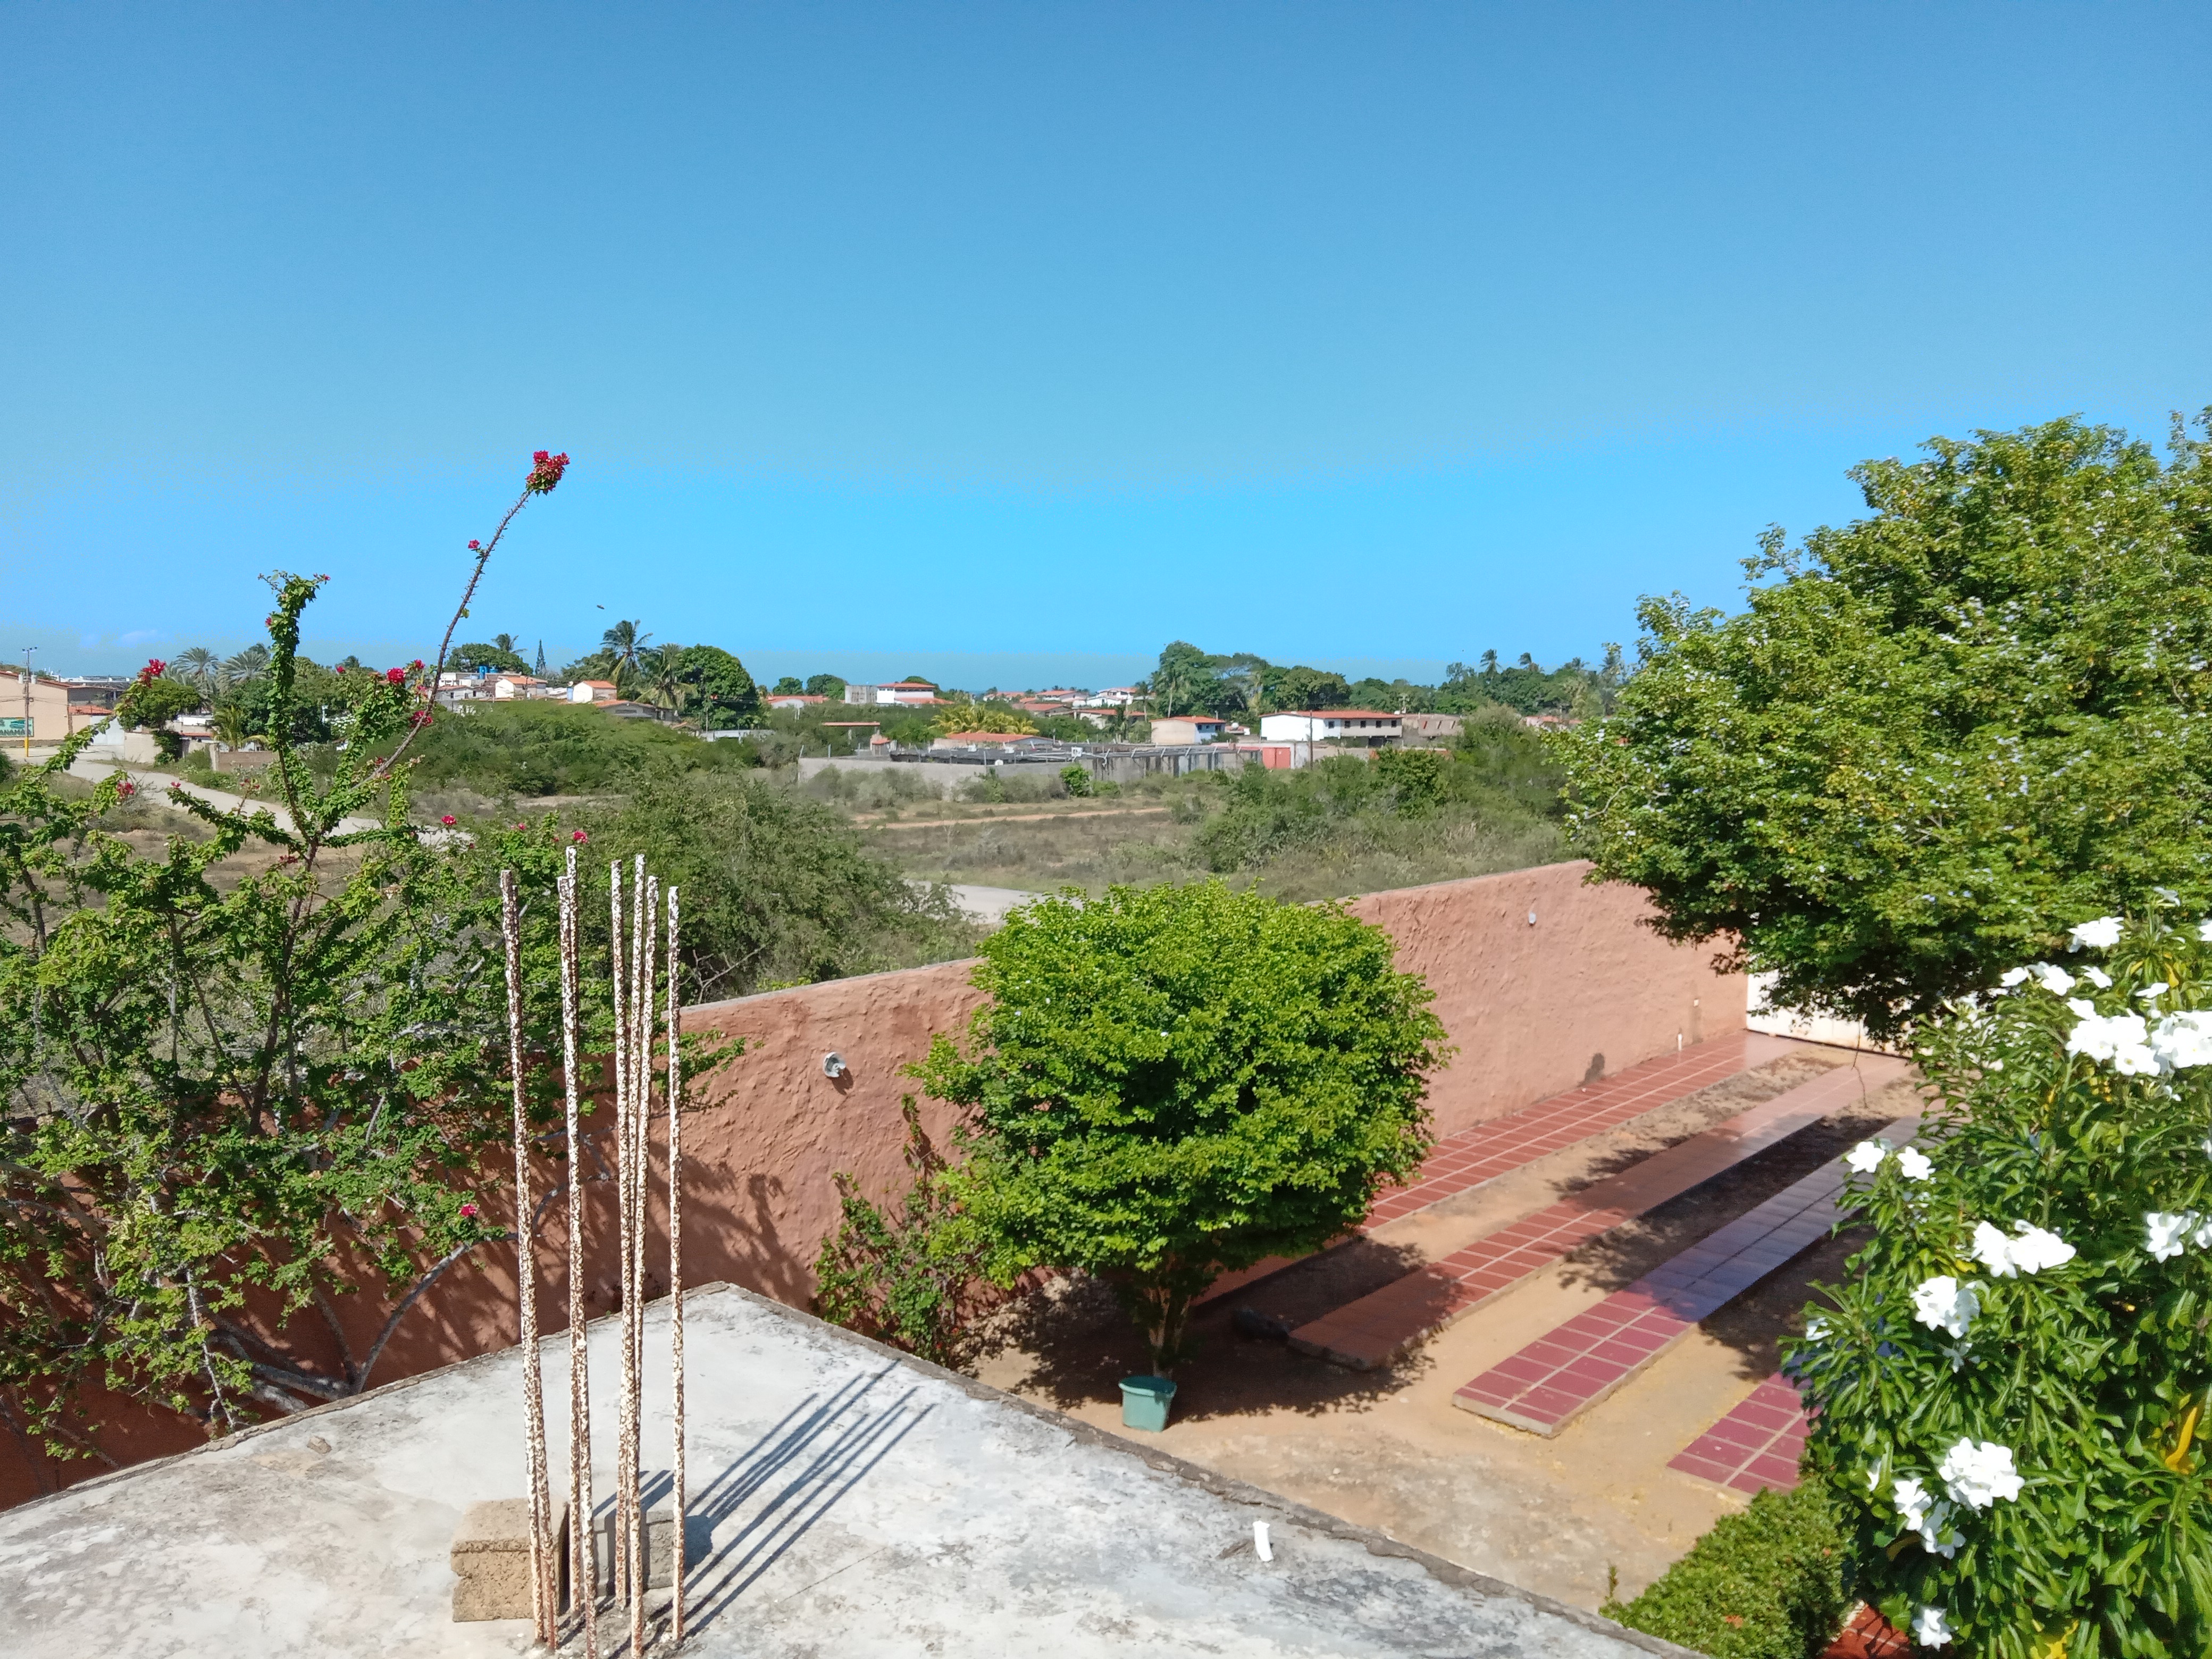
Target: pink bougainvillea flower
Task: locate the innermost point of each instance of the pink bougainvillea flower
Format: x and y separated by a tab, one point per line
476	547
153	670
545	470
397	675
578	834
448	820
126	787
468	1213
419	719
417	663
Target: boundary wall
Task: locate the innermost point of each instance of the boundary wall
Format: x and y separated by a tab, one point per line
1534	1007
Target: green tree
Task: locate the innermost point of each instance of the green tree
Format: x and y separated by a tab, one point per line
1184	681
777	889
500	659
824	685
1169	1083
1308	688
230	1103
992	716
790	686
716	690
1936	734
153	702
622	646
199	668
2010	1388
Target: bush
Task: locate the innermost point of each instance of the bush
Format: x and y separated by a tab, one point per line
2010	1388
1773	1583
532	748
1173	1083
911	1279
776	889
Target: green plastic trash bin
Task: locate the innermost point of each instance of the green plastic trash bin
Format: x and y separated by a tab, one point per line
1145	1401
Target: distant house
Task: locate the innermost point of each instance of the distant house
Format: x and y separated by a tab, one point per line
1551	722
793	700
1188	728
1433	728
507	686
625	710
916	694
594	691
1114	697
1362	728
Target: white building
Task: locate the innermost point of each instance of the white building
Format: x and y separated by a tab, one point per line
1363	728
1114	697
911	693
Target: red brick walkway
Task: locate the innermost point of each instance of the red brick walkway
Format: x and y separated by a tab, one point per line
1573	1366
1506	1143
1375	1328
1756	1444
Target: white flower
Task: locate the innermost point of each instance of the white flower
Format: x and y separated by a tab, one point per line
2056	981
1915	1163
1958	1354
2152	992
1937	1535
1943	1303
1931	1628
2030	1250
2182	1039
2080	1007
2123	1039
2207	1146
2013	975
2204	930
2166	1233
1912	1500
1816	1329
2034	1249
1866	1157
1977	1473
2098	977
2098	935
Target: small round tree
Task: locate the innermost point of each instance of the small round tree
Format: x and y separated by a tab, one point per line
2009	1392
1171	1083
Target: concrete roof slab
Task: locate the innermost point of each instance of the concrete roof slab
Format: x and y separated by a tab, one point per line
846	1499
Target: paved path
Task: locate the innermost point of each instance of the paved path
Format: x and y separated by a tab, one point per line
1571	1367
1759	1443
1375	1329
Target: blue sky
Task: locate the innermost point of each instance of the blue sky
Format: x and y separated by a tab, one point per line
1006	342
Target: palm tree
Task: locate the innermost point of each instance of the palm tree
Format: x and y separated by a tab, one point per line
198	667
659	669
623	644
247	665
505	642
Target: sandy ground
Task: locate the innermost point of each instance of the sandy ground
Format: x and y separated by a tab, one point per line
1389	1449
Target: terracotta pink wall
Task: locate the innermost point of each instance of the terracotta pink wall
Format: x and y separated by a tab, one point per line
1532	1009
1539	1007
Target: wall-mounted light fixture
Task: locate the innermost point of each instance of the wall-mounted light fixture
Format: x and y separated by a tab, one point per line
833	1064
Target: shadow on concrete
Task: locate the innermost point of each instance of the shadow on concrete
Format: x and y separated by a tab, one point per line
1077	1344
798	1471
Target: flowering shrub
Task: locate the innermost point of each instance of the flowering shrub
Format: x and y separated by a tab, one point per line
232	1102
2010	1388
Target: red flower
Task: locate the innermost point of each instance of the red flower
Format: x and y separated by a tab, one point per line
468	1213
126	787
417	663
153	670
419	719
545	471
578	834
448	820
397	675
476	547
522	826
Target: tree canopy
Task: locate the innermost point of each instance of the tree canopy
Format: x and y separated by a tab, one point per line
1936	735
501	659
715	689
1170	1083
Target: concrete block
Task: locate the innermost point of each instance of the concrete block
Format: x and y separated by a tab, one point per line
491	1555
660	1548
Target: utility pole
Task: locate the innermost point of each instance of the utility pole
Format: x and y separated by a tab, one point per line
27	650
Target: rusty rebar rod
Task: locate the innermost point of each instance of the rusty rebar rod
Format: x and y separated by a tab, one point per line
583	1547
675	1256
545	1602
